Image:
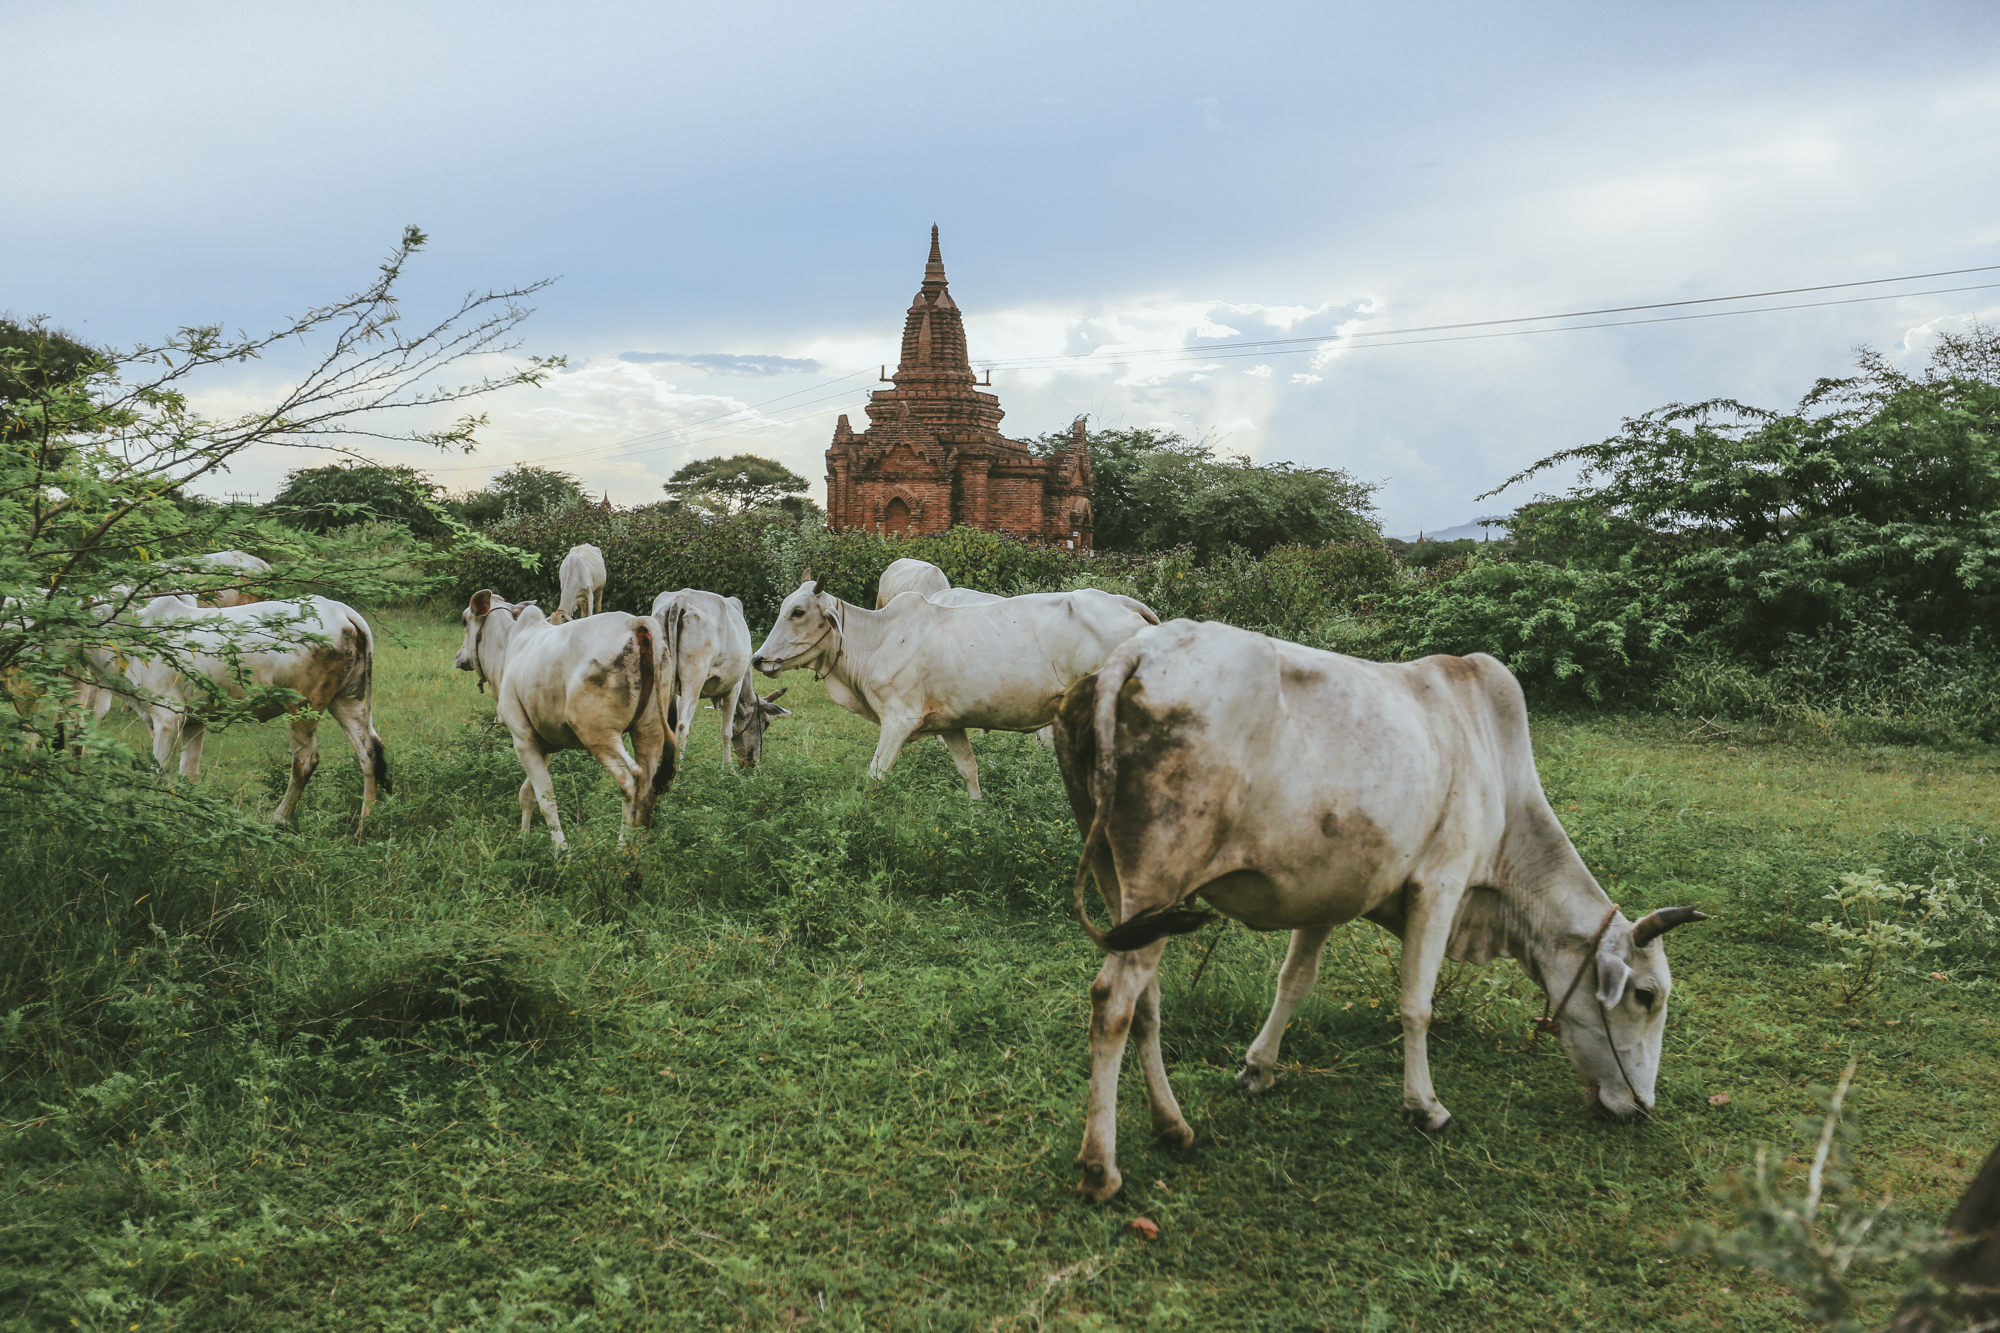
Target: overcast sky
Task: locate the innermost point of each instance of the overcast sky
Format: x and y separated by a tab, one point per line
737	201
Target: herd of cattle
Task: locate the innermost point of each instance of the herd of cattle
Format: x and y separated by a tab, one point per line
1289	788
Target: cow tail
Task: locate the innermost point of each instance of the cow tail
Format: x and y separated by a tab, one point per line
656	686
1111	678
364	685
674	623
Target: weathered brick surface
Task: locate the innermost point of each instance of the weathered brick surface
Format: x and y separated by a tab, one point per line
932	454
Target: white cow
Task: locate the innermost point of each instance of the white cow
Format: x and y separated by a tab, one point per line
1296	790
921	669
907	575
577	685
708	641
582	581
333	676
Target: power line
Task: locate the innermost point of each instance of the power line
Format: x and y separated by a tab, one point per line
1272	347
1102	354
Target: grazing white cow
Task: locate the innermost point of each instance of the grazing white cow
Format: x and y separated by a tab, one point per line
215	562
577	685
334	677
582	581
1296	790
921	669
907	575
708	641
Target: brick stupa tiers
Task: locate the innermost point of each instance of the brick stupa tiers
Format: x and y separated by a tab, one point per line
932	454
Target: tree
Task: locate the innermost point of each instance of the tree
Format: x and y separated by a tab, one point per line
96	455
520	491
1881	490
39	359
732	485
320	499
1151	489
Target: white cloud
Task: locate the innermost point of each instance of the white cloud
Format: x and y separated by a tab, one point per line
1261	372
1308	379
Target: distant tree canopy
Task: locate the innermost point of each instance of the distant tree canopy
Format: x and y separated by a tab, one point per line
521	491
732	485
318	499
35	360
1152	489
1881	490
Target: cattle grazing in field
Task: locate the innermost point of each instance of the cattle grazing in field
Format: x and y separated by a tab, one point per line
221	653
583	580
580	685
708	641
920	669
1296	790
907	575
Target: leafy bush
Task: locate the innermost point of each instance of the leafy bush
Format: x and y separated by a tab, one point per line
1600	634
647	552
1289	593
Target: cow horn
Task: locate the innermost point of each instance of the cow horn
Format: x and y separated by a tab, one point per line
775	695
1661	920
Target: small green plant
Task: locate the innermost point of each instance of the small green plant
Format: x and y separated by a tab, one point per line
1811	1231
1879	927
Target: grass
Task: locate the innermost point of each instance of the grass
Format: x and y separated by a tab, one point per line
812	1054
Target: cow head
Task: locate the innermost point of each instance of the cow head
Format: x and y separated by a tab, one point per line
1617	1014
753	715
807	631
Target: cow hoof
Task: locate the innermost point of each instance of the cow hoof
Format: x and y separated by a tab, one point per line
1430	1122
1176	1136
1254	1080
1100	1183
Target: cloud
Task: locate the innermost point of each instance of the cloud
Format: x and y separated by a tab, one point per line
1211	115
1303	378
727	363
1261	372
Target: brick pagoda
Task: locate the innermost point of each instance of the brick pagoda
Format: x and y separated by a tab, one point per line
932	454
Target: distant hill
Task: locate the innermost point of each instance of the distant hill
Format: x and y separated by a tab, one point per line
1472	530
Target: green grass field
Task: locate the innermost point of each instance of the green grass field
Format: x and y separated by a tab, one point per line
812	1054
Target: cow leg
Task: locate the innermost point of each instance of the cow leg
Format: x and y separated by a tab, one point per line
727	703
165	725
1426	931
960	746
1114	1002
352	715
527	803
194	734
305	759
536	765
624	772
1168	1122
895	735
1295	982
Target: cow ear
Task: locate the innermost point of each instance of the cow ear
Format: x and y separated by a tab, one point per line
1612	970
482	602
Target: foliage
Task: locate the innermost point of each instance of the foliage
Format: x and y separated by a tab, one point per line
1809	1233
320	499
39	360
733	485
1290	593
1878	489
647	551
1154	489
1593	633
521	491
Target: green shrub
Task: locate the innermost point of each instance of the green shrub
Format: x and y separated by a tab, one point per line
1599	634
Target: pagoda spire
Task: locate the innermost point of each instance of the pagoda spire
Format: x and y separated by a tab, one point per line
934	269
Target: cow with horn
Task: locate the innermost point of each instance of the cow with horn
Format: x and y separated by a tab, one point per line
1297	790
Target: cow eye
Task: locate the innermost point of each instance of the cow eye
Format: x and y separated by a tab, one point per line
1645	997
798	611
